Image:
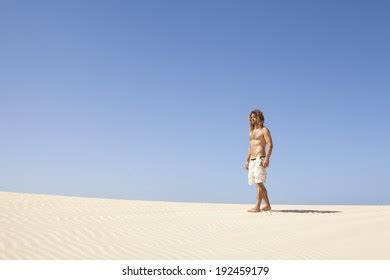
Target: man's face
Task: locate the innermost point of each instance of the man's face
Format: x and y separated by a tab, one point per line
254	119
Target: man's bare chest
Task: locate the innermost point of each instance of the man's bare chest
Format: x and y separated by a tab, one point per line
256	134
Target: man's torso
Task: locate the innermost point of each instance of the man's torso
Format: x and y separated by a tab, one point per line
257	142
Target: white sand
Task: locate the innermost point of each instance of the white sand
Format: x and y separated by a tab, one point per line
58	227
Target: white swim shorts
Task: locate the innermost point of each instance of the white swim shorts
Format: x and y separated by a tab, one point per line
256	172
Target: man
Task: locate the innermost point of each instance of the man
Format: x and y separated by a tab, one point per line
259	153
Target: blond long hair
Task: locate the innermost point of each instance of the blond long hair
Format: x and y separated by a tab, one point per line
258	114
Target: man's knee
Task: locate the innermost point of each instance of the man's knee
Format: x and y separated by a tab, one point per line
260	185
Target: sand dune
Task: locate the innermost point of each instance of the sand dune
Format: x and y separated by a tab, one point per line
58	227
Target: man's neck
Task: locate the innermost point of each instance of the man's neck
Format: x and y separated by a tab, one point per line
257	126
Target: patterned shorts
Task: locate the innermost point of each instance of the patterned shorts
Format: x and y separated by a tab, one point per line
256	172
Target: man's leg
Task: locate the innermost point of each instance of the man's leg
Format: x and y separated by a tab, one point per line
267	205
259	196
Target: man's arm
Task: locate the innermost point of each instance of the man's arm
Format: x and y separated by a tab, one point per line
247	158
248	154
269	146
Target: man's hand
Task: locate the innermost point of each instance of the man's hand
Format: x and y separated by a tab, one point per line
265	163
247	165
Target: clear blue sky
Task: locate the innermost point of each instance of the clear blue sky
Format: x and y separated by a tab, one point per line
150	99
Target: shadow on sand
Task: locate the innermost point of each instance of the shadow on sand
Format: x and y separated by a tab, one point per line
306	211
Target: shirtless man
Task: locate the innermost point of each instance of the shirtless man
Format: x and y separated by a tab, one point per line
258	158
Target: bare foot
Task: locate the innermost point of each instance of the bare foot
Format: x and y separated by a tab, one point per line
254	209
266	208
